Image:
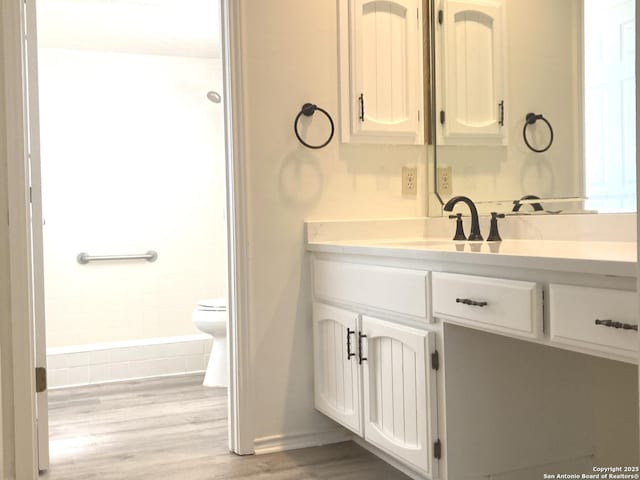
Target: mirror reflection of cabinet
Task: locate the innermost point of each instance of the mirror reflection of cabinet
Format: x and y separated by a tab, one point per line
571	61
470	44
381	71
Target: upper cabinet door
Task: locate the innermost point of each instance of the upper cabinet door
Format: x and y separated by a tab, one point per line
472	72
382	71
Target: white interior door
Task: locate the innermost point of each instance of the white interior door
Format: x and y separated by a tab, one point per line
40	350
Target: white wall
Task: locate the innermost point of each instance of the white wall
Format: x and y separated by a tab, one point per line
543	51
289	58
132	160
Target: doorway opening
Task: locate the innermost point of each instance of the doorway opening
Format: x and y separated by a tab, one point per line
132	161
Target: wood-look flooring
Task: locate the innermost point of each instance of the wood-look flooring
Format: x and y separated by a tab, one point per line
174	428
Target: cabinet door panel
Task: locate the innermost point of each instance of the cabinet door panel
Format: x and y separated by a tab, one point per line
399	399
382	71
383	50
336	377
472	53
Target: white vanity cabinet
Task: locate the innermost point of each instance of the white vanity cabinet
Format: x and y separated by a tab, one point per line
442	362
381	71
373	373
471	53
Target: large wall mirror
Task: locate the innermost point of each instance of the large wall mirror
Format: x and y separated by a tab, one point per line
536	98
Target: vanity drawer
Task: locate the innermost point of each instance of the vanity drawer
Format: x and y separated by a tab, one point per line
510	307
573	312
390	289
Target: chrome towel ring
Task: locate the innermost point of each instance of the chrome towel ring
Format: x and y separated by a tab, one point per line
308	109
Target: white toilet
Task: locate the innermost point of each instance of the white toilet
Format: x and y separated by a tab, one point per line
210	316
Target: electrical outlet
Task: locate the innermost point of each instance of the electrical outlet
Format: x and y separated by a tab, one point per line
409	181
445	181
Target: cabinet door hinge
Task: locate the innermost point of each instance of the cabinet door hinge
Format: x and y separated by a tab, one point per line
437	449
542	311
442	117
41	379
435	360
440	17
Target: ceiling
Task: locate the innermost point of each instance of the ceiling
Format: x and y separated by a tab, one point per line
188	28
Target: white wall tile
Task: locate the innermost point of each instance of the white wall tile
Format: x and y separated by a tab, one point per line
78	375
56	361
94	303
100	373
127	362
78	359
141	369
185	348
196	363
98	357
57	378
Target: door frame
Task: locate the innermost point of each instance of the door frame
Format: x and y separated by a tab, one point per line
17	401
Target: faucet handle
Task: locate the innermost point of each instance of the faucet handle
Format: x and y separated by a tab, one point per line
459	228
494	235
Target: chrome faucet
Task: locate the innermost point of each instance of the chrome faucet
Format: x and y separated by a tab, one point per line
475	225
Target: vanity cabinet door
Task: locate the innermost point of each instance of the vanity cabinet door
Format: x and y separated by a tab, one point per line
336	370
381	71
399	393
473	73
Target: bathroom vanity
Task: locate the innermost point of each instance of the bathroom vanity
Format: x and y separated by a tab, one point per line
487	360
470	360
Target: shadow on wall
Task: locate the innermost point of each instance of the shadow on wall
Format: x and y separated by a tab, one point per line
301	179
538	177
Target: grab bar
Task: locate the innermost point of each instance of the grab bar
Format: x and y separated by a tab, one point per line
84	258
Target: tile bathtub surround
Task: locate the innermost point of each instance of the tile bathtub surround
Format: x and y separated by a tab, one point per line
101	363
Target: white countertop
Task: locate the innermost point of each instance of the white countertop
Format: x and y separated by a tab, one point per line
600	258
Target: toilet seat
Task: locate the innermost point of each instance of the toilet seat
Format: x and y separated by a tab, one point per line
213	305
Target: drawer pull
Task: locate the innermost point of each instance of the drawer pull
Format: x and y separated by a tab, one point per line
360	337
349	352
473	303
611	323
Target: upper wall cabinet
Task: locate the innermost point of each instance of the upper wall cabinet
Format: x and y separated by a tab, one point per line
471	73
381	71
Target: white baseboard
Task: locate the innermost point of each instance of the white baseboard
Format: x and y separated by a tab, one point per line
280	443
102	363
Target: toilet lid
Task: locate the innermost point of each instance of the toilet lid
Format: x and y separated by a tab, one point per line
213	304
